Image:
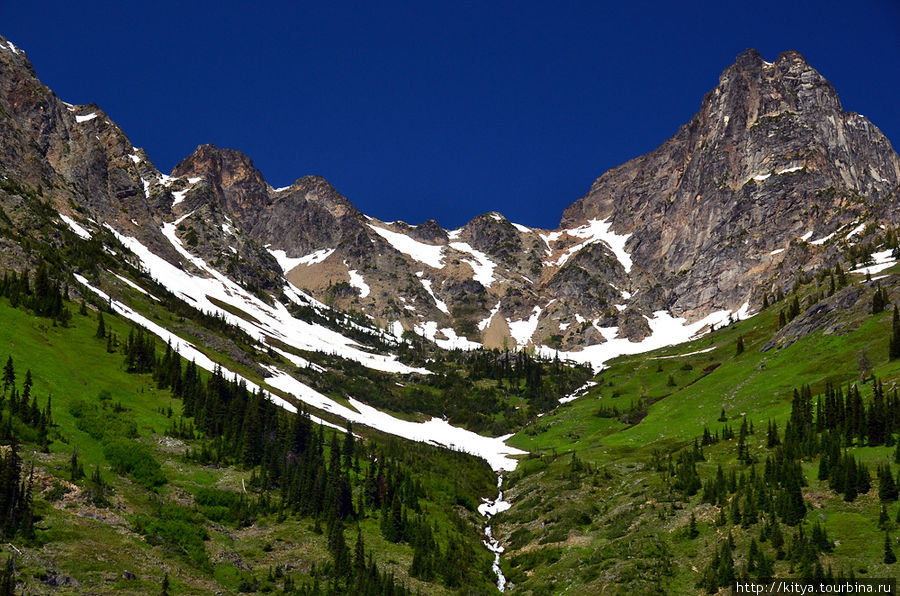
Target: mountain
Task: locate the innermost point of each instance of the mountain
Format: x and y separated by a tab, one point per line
281	335
766	181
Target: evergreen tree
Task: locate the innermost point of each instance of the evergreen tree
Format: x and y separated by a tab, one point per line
101	326
9	375
889	557
693	532
8	578
894	344
740	345
164	591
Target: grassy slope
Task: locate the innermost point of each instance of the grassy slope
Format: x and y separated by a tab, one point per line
611	527
95	546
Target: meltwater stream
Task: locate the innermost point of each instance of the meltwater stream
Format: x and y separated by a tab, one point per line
489	509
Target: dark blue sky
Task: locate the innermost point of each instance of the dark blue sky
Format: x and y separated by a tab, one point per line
443	110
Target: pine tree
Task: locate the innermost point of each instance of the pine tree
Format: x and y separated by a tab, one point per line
894	347
8	578
693	532
164	591
9	375
740	345
101	326
889	557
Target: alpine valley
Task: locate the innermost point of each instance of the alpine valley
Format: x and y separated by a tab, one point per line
216	386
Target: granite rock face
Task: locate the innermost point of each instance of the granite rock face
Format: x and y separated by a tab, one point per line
770	157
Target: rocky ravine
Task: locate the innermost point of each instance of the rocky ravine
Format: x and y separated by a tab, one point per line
768	179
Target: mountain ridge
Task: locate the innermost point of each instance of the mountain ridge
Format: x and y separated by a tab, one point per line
686	228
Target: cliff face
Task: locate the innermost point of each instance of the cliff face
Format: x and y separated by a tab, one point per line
767	180
770	157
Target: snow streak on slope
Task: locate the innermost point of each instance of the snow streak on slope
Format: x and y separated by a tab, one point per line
482	266
665	329
424	253
73	225
270	320
593	231
435	431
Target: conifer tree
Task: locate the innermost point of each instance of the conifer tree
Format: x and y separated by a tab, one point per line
9	375
740	345
889	557
8	578
101	326
894	347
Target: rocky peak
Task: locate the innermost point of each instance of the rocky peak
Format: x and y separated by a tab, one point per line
231	173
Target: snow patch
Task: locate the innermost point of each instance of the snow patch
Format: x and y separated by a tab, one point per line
593	231
665	330
482	267
881	261
442	306
789	170
761	177
86	117
357	281
521	228
73	225
823	240
483	324
424	253
178	196
521	331
288	263
777	251
806	236
855	231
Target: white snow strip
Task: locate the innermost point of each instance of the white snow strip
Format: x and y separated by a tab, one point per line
79	231
424	253
577	393
135	158
396	329
823	240
521	228
483	324
665	330
855	231
12	47
806	236
86	117
271	320
442	306
226	228
136	287
788	170
777	251
436	431
357	281
521	331
482	266
146	188
195	180
688	354
288	263
761	177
